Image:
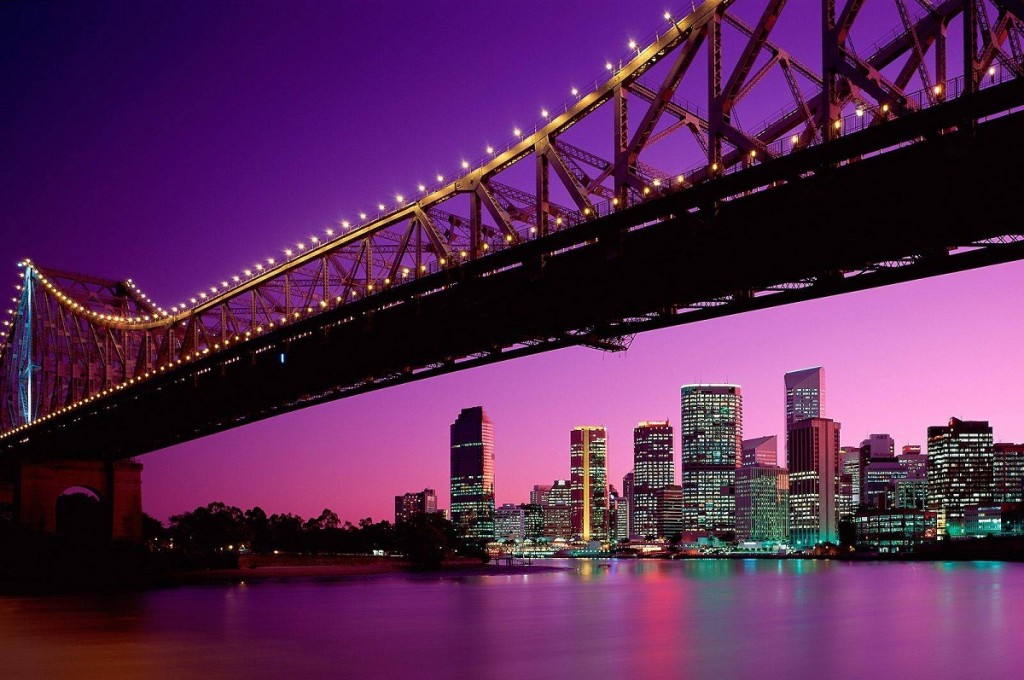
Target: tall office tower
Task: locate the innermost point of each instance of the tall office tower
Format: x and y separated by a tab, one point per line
509	523
410	504
472	468
762	503
588	482
557	522
1007	472
653	470
761	451
627	494
912	493
539	494
613	514
879	471
813	449
805	394
959	471
533	519
712	438
915	462
849	481
622	519
669	511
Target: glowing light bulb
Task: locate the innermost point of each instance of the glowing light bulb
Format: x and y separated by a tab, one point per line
575	92
490	149
465	165
440	178
421	187
632	44
544	113
608	65
517	132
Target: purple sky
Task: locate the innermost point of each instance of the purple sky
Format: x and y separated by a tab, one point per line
176	143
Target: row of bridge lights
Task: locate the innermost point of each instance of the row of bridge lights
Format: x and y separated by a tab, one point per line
401	200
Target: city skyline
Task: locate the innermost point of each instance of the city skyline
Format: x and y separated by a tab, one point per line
899	359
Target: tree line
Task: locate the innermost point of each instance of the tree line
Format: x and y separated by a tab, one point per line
425	539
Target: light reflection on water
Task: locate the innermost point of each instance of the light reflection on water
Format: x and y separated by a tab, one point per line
632	618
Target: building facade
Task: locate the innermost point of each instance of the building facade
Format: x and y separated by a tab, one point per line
760	451
812	447
1007	472
712	439
588	482
805	394
410	504
653	471
669	511
762	503
509	523
960	457
557	523
472	473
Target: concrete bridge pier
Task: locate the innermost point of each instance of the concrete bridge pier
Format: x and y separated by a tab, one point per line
118	485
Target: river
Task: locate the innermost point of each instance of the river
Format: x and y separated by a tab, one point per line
596	619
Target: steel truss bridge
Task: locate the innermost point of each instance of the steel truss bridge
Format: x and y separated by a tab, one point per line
883	168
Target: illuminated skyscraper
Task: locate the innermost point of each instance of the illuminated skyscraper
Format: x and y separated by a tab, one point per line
805	394
762	503
1007	472
588	483
711	434
879	471
669	511
556	512
653	470
510	523
472	473
849	481
959	471
914	461
812	447
412	503
539	494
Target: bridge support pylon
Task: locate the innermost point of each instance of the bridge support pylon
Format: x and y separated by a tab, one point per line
117	484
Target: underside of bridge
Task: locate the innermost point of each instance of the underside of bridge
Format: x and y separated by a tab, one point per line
919	200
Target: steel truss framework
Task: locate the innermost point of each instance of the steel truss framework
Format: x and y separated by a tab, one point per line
73	339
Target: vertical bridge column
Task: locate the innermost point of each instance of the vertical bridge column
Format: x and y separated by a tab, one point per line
117	483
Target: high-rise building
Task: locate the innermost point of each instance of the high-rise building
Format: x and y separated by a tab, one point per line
622	519
627	495
539	494
805	394
472	473
410	504
653	470
878	470
588	482
761	451
959	471
914	461
712	438
509	523
557	522
762	503
1007	472
912	492
533	520
669	511
849	481
812	447
613	514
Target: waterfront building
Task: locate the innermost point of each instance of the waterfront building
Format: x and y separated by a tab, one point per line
849	481
653	470
912	493
760	451
588	482
410	504
1007	472
627	495
762	503
805	394
622	515
557	523
812	447
509	523
914	461
895	530
711	435
669	511
960	457
539	494
877	453
472	473
533	520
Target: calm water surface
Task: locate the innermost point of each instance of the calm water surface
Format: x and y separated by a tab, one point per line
626	619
